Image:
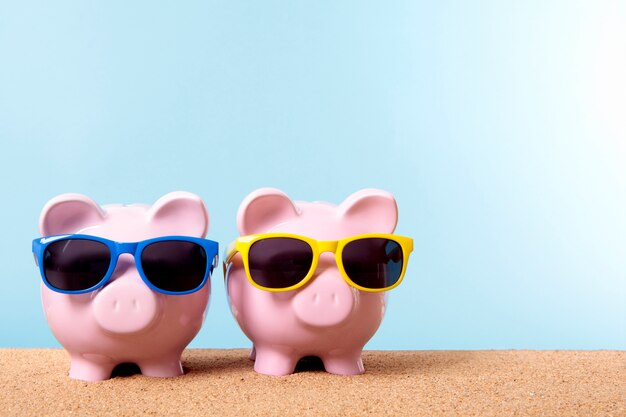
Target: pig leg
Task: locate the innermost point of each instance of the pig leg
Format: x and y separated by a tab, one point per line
91	367
252	354
344	363
275	361
163	367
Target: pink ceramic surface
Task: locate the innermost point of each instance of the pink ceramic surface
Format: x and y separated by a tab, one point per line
125	321
327	317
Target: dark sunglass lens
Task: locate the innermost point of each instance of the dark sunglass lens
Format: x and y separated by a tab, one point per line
175	266
75	264
279	262
373	263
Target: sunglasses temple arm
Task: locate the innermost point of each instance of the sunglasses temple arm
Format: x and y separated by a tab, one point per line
230	251
36	247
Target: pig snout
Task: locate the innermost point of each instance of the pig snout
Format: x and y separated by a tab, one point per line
125	306
325	301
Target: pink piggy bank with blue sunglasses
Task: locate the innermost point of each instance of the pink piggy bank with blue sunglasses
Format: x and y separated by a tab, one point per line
309	279
125	283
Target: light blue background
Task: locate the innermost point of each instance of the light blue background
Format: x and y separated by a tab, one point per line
500	127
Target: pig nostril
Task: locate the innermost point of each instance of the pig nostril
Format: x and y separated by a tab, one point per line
135	304
335	299
316	298
116	305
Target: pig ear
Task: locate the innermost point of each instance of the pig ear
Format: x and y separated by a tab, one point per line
264	209
371	211
69	213
180	213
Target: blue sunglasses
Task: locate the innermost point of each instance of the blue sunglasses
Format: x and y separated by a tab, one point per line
77	264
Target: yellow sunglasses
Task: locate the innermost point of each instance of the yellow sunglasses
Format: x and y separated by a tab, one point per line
279	262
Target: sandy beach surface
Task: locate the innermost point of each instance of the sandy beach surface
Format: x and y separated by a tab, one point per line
396	383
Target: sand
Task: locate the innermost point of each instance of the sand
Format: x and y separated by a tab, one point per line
398	383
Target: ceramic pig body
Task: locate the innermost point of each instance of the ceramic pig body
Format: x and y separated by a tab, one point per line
125	321
326	318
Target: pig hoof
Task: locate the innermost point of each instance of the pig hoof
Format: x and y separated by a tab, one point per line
162	369
86	370
344	366
274	363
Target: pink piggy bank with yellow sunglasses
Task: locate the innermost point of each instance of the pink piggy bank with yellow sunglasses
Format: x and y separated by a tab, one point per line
309	279
125	283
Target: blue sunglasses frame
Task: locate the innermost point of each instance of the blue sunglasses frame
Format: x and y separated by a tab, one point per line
118	248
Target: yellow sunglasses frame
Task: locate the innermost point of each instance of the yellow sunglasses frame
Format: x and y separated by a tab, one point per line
243	244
